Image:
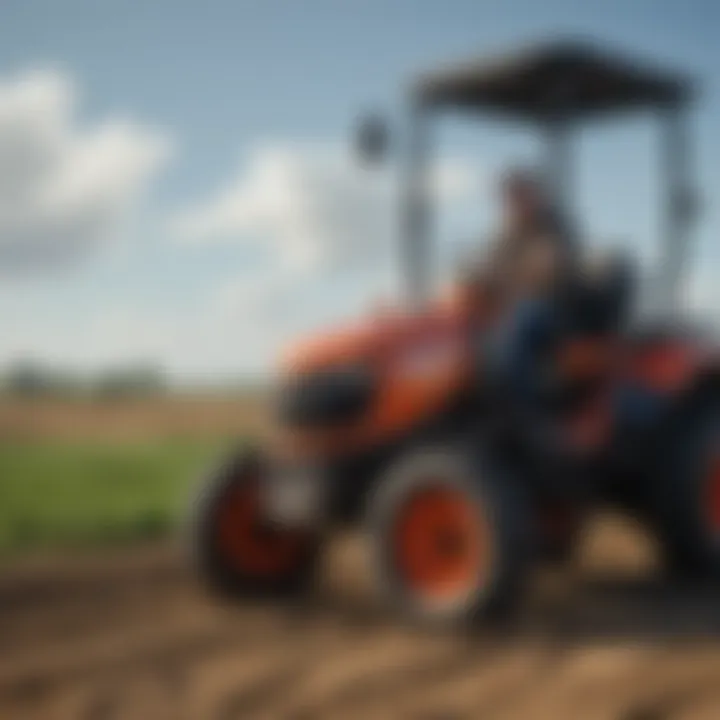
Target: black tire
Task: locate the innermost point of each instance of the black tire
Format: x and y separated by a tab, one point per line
559	535
225	574
690	540
493	499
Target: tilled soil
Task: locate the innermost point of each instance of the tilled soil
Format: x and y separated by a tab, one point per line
129	635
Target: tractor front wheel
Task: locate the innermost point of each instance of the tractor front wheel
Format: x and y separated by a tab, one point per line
238	552
449	538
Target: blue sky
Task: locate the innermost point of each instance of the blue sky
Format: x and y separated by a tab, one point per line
215	81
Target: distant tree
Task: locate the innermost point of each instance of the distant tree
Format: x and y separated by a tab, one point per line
134	380
27	379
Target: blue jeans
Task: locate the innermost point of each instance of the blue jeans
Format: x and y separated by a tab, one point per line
524	337
638	407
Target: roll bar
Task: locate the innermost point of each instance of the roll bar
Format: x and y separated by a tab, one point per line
554	87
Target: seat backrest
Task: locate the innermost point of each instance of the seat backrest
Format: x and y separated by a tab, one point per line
600	299
592	314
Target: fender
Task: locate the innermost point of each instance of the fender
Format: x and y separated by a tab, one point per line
673	366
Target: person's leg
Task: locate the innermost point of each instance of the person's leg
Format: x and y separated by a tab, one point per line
523	341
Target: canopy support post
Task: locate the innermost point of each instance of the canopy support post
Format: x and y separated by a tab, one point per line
558	170
678	210
415	249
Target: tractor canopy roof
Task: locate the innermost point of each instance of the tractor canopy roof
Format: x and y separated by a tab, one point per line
566	80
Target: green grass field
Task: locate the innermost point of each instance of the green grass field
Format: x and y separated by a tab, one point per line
68	494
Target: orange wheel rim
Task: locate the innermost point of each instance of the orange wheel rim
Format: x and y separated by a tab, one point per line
712	498
441	545
248	544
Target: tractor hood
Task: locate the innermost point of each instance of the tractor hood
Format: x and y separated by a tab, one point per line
375	335
373	380
334	347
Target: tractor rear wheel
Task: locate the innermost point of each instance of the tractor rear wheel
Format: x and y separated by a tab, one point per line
449	538
239	553
688	497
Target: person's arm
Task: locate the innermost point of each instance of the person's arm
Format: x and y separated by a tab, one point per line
480	274
545	262
554	254
476	266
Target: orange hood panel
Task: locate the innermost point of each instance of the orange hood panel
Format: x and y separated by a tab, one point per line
420	360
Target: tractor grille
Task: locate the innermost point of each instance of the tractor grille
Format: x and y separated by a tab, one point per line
324	398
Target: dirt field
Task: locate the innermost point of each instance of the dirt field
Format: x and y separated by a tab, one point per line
128	419
128	635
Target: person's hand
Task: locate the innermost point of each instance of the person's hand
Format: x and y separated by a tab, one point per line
539	264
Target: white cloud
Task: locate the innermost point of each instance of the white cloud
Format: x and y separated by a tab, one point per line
322	233
314	207
326	227
65	188
309	208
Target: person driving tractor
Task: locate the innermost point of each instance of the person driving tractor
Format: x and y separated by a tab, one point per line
530	264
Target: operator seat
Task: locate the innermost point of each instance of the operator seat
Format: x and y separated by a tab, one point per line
599	300
591	313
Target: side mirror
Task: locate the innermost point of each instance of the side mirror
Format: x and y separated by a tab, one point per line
372	139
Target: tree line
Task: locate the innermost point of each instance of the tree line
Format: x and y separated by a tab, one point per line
28	378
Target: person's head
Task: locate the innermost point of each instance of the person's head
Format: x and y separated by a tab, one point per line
522	195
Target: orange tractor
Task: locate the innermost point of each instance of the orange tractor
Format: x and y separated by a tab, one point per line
399	422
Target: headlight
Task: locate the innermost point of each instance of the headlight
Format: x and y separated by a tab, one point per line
324	397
